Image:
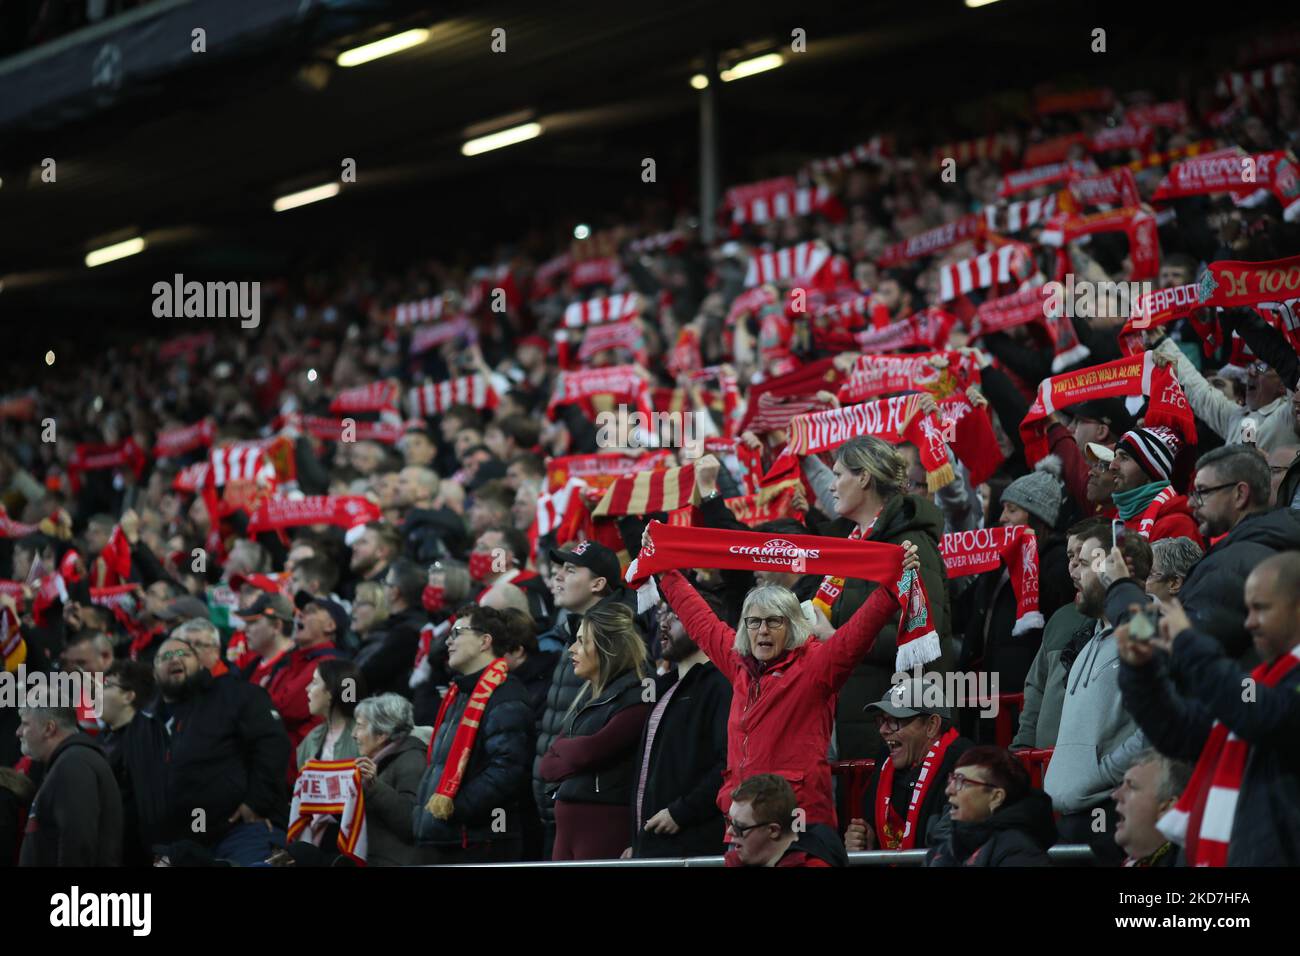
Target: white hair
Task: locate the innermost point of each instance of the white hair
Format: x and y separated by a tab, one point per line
780	602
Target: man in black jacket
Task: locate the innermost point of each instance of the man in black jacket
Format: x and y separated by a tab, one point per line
485	822
683	751
1230	496
1260	821
223	752
76	818
388	655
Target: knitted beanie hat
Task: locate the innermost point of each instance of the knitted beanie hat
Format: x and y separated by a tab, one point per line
1154	449
1039	493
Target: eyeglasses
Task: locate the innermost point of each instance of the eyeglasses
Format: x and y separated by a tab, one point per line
894	724
172	655
739	830
773	623
1259	368
960	782
1198	494
458	631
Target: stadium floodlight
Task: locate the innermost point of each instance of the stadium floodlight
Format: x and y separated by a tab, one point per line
305	196
699	82
979	3
385	47
506	137
759	64
118	250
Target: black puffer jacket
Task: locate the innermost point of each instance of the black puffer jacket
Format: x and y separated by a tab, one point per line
615	781
1265	825
76	818
386	658
904	518
497	773
1018	835
1214	593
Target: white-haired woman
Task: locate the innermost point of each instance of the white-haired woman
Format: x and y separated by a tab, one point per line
785	681
391	764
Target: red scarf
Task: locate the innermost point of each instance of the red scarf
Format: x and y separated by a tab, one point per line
894	420
1203	818
1122	137
1138	224
599	470
9	528
925	779
177	441
623	383
986	549
375	397
671	547
926	329
1052	173
343	511
932	240
1161	306
1117	187
441	804
939	373
331	429
1026	307
685	356
123	454
433	398
1230	284
1137	375
616	335
1223	172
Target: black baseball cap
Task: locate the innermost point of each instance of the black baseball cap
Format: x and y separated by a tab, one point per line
305	599
1108	411
596	558
269	605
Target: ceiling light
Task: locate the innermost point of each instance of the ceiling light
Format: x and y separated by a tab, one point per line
506	137
302	198
700	82
759	64
118	250
385	47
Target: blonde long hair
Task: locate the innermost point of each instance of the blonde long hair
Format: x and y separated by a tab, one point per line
619	648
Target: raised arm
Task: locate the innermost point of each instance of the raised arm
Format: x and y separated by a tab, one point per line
842	651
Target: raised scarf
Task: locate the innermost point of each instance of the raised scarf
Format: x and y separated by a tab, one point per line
928	328
375	397
985	549
1230	284
894	420
334	429
1137	224
624	383
676	548
433	398
1130	503
1201	821
613	308
932	240
177	441
1010	262
663	489
920	789
329	788
343	511
1135	375
441	804
939	373
1161	306
600	469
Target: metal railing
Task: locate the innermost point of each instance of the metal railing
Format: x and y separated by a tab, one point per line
1066	854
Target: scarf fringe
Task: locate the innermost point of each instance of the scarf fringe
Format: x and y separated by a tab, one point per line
1029	622
918	652
940	477
1174	825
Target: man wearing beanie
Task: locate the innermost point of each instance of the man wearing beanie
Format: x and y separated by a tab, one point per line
1146	501
991	643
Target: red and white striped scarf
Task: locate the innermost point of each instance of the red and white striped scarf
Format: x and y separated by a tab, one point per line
433	398
552	506
325	789
1173	113
663	489
431	336
995	146
430	309
1266	78
799	263
876	148
375	397
775	412
746	193
1122	137
617	335
1052	173
782	204
595	271
177	441
1202	820
934	240
1007	263
1016	216
242	461
613	308
751	302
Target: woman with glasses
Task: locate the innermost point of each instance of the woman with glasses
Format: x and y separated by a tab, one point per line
590	768
784	681
998	818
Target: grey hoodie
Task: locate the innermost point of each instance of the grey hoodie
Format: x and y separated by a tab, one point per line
1097	739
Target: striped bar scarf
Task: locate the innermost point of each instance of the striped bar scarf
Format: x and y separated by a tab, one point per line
782	204
746	193
442	803
928	328
799	263
1049	175
595	271
1266	78
1007	263
678	548
663	489
623	383
932	240
431	336
939	373
1122	137
375	397
327	788
995	146
616	335
1202	819
430	309
433	398
1025	307
610	308
986	549
599	470
177	441
552	506
1137	224
925	779
876	148
775	412
1017	216
896	419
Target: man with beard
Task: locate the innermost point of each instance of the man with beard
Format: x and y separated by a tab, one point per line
222	753
1101	480
1094	425
319	628
683	751
378	545
1144	497
1098	740
906	805
1230	499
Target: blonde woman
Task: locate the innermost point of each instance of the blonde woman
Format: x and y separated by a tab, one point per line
590	768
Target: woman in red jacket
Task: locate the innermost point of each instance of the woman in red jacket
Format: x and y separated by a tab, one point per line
785	682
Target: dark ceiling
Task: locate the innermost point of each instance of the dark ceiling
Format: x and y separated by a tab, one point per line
195	165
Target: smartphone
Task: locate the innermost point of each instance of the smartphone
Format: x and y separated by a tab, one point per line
1141	627
1117	531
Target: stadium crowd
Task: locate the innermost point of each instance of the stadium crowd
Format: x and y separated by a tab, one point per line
383	581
